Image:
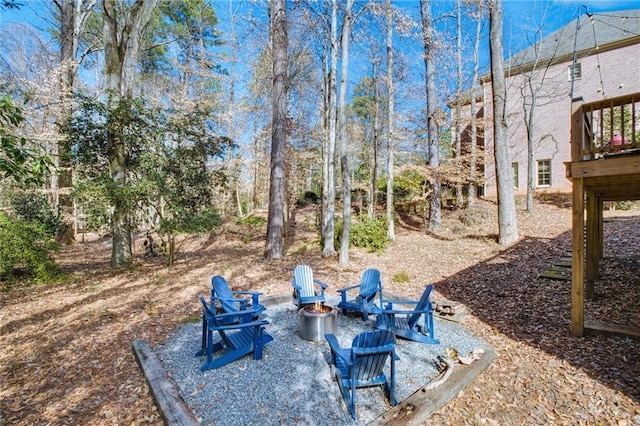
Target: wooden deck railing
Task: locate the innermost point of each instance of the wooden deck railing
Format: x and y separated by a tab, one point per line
604	128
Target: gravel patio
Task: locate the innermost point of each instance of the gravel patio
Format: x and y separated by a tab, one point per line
292	384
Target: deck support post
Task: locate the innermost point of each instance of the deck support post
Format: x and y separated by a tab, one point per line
577	270
592	254
600	207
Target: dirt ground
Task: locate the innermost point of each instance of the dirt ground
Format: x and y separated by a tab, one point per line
65	349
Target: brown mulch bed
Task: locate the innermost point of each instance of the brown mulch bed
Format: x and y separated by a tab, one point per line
65	349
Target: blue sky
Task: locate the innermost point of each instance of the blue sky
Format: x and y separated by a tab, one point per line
527	14
516	12
521	18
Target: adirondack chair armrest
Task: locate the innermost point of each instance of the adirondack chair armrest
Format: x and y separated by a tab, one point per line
400	301
258	323
400	312
388	304
255	295
244	303
320	283
206	311
244	312
369	294
344	354
259	293
346	289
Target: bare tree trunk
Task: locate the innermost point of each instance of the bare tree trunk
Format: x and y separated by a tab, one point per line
232	125
122	34
474	121
528	120
275	223
238	198
328	233
342	127
391	233
530	99
435	214
73	16
373	173
458	124
325	140
507	225
254	186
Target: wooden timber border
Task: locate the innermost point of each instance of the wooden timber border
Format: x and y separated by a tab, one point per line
416	409
173	409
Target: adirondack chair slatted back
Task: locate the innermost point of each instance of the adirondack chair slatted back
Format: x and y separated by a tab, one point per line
221	290
370	283
368	365
423	304
363	364
364	302
303	280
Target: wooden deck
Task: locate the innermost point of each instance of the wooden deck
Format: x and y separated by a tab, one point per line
605	166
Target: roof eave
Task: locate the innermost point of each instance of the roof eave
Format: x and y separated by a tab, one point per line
527	67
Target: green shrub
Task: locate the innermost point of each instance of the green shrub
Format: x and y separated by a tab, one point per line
309	197
251	221
625	205
25	245
35	209
365	233
92	198
191	223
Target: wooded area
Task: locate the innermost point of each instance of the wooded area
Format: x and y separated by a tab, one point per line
149	128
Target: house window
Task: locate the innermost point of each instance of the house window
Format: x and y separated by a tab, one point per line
514	166
574	72
544	172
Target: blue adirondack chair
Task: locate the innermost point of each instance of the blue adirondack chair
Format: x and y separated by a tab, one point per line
370	286
229	302
406	323
304	286
235	340
363	364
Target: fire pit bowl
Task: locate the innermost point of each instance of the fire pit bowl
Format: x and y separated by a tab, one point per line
317	320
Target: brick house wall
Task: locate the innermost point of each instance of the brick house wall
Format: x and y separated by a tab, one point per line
605	73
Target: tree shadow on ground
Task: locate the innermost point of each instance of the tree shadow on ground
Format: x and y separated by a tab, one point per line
506	293
409	221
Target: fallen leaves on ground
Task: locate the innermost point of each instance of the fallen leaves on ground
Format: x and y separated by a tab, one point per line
66	349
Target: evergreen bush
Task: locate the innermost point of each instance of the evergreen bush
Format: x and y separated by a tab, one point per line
309	197
252	221
35	209
366	233
28	246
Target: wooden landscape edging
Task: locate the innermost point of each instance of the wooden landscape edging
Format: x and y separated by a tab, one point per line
608	329
417	408
171	405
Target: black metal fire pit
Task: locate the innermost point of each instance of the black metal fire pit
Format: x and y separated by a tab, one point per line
317	320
